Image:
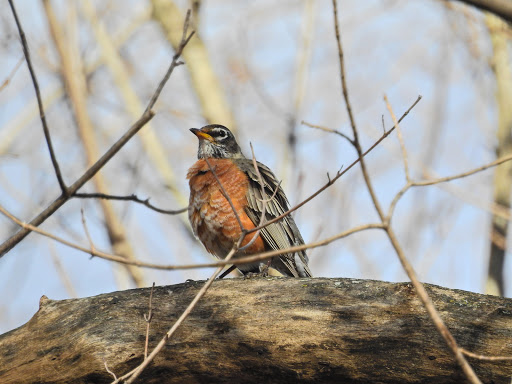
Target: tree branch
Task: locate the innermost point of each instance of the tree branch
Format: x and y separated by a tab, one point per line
325	330
42	115
131	197
59	202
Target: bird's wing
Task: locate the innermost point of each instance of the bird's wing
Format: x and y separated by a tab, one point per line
281	234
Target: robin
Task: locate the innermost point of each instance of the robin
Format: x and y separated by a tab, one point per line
211	214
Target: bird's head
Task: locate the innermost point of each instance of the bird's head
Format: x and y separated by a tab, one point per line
216	141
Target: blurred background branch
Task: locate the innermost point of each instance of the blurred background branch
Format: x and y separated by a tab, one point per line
501	66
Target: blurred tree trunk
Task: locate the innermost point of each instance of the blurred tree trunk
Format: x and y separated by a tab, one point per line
73	77
152	144
503	173
262	330
214	106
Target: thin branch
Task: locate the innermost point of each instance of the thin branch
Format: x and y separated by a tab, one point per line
93	252
59	202
344	89
39	101
220	263
464	174
86	230
148	319
496	209
400	139
131	197
11	75
108	370
184	41
397	197
484	357
325	129
338	174
64	277
439	180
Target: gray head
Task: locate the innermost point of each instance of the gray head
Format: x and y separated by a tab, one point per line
216	141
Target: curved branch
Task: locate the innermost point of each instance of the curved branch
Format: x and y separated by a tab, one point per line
131	197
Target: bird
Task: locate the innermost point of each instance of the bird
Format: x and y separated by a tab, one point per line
212	215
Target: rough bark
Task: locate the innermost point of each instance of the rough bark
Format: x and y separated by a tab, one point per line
262	330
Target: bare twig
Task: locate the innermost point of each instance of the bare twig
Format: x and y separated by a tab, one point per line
397	197
46	131
146	116
400	139
484	357
439	180
338	174
86	230
344	89
131	197
11	75
64	277
465	174
148	319
108	370
184	41
464	195
325	129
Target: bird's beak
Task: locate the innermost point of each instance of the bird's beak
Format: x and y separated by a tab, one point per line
201	135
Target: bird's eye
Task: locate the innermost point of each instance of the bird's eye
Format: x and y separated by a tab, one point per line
222	133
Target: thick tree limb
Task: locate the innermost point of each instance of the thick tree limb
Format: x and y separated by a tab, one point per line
263	330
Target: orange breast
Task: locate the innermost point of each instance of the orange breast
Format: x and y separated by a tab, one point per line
211	216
